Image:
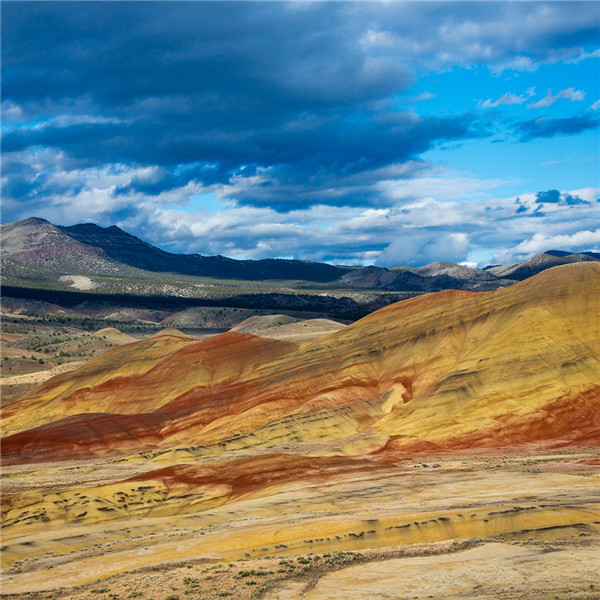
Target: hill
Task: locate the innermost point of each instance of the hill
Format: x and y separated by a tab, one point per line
283	327
443	371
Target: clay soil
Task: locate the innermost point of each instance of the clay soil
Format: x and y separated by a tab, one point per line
488	526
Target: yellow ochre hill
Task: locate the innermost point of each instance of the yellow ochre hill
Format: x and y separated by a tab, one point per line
444	371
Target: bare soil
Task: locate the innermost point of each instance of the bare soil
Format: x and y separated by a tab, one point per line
246	548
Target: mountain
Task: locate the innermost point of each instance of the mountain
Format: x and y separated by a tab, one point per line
430	278
125	248
541	262
36	251
89	250
37	254
439	372
36	243
595	255
454	270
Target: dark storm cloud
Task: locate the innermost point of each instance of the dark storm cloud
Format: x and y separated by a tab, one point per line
574	200
555	197
309	54
121	53
546	128
550	197
280	102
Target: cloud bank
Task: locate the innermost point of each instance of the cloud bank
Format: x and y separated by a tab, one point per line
299	120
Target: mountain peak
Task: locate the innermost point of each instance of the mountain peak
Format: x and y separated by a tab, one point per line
35	221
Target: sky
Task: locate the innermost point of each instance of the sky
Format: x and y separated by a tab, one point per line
395	133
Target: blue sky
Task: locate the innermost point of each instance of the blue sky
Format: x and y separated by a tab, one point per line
356	133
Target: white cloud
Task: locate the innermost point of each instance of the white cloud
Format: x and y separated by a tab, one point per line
447	187
585	55
414	247
11	112
517	63
423	97
438	216
579	241
106	177
596	105
566	94
509	99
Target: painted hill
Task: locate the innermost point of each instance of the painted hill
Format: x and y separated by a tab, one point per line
445	371
112	334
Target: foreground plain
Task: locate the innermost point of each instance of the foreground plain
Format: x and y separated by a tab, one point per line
358	525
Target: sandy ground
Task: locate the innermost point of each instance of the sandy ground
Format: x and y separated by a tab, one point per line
488	571
410	531
79	282
41	376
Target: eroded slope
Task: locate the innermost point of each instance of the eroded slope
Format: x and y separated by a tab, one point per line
443	371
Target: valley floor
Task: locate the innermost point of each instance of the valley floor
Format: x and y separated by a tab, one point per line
488	526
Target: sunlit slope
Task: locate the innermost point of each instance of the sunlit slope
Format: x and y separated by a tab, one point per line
448	370
90	388
141	377
522	365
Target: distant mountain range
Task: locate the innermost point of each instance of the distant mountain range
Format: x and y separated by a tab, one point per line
34	250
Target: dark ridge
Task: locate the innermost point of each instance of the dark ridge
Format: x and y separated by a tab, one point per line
561	253
130	250
341	308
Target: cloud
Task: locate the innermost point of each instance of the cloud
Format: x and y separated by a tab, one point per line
579	241
423	97
551	196
555	197
567	94
296	119
326	163
287	114
547	128
415	229
585	55
596	105
509	99
425	246
574	200
531	34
